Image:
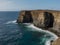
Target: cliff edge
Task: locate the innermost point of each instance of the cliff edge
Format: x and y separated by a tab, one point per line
45	19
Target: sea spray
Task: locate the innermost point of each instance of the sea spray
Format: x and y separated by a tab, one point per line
11	22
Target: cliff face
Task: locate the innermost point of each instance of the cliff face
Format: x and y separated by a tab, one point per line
45	19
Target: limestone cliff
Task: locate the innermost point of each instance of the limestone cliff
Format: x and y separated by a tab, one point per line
45	19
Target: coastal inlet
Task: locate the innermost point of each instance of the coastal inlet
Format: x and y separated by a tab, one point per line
12	33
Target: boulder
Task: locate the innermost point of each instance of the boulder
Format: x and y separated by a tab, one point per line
57	42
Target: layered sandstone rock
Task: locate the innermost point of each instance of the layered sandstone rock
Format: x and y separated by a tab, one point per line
45	19
57	42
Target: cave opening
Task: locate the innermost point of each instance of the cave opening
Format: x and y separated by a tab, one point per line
28	17
49	19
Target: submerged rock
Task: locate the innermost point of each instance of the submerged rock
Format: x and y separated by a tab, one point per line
45	19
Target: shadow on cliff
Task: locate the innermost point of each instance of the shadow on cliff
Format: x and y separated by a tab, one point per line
27	17
49	19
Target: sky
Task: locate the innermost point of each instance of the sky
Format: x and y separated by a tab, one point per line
17	5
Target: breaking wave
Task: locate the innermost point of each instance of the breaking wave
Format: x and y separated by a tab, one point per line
29	25
48	42
11	22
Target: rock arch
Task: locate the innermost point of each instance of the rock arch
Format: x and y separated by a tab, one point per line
49	19
27	17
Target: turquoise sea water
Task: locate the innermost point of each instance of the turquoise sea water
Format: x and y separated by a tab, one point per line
12	33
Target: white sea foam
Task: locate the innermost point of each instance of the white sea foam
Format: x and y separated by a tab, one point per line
48	42
10	22
29	25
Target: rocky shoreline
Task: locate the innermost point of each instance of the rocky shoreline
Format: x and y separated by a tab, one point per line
45	19
57	42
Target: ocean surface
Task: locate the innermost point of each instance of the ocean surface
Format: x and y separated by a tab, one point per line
12	33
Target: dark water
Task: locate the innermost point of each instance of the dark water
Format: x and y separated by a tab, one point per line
12	33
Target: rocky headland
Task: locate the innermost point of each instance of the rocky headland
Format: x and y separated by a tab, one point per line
45	19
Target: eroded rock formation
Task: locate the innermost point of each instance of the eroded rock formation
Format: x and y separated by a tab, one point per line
57	42
45	19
